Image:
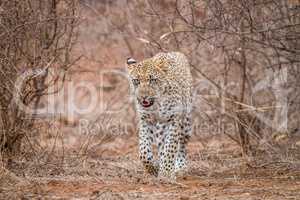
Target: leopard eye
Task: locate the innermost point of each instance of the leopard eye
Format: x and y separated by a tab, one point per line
135	82
152	80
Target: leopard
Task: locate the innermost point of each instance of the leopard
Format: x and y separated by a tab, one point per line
161	87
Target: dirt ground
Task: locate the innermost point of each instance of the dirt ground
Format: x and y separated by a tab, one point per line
216	172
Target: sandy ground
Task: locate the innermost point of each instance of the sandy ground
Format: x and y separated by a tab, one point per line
117	174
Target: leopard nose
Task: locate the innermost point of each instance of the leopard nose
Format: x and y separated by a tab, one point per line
143	97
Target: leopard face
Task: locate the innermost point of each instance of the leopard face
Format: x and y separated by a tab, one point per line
147	82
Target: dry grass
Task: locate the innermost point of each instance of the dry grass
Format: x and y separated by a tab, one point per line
216	172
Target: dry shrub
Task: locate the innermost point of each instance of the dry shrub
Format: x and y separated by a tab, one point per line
36	37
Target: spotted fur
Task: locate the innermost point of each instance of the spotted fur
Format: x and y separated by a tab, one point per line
162	87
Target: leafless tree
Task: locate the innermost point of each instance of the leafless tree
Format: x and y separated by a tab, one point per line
229	41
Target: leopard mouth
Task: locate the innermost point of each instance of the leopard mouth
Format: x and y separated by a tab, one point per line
147	102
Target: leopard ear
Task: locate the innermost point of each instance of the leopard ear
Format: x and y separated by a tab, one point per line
161	65
130	61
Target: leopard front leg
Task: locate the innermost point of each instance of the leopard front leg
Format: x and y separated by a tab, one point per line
145	148
186	131
170	148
